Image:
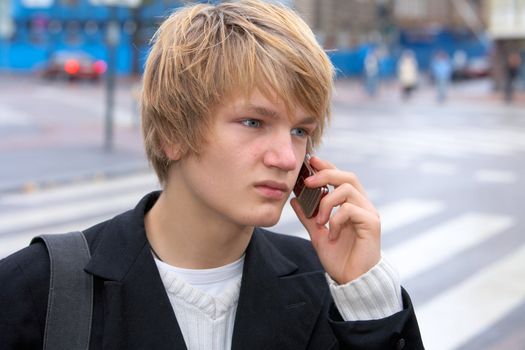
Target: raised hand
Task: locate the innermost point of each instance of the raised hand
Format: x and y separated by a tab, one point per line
348	242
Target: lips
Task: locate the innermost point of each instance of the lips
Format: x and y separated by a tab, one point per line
273	189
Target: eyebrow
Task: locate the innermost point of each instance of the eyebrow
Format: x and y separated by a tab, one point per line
271	113
263	111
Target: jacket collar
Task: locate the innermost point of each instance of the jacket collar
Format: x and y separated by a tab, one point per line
137	311
277	306
124	239
121	242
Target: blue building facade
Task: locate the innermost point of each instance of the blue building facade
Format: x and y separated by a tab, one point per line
79	25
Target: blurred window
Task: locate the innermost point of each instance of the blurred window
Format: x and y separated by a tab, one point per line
91	28
130	27
146	32
73	34
92	32
37	30
69	2
17	32
54	27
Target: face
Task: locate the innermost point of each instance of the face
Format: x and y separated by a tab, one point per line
249	165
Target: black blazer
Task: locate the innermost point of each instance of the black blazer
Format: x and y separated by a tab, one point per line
284	301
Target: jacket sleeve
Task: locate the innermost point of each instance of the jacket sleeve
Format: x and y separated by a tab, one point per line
24	284
399	331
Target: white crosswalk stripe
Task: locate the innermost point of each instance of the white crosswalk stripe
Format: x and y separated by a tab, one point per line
400	213
40	212
442	242
134	182
479	301
40	216
12	117
495	176
12	243
455	143
393	215
69	208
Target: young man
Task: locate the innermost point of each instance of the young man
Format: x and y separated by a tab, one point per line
234	96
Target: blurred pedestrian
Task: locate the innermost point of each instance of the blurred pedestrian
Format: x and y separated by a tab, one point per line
441	70
407	73
234	96
512	69
459	63
371	70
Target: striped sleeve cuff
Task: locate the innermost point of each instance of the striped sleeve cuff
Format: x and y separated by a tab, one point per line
374	295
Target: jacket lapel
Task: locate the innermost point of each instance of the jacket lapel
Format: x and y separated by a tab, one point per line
137	310
277	306
277	309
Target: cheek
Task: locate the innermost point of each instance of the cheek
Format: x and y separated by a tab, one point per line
251	151
256	154
300	154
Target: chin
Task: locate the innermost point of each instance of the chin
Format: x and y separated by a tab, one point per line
265	217
266	222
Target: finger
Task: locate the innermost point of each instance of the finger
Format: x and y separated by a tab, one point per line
314	230
342	194
361	221
334	177
320	164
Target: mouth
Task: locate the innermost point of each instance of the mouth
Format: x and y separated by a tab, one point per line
273	189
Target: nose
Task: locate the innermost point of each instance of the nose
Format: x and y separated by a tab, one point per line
281	154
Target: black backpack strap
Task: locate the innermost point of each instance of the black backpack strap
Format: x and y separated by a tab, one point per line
70	301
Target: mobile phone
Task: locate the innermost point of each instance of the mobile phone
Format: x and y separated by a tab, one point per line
308	198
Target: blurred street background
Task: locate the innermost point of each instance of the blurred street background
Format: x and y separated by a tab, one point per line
429	112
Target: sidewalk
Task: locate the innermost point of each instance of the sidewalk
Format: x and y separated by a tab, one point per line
49	167
461	92
53	134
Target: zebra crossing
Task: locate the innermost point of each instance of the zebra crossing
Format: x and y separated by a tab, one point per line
419	178
79	206
68	208
476	303
435	141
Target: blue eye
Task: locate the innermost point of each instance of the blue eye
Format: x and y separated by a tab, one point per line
299	132
251	123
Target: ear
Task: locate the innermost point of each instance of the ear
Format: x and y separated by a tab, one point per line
172	151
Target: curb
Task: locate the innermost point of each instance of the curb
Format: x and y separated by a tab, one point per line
71	178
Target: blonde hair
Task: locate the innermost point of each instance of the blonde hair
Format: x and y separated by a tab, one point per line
203	53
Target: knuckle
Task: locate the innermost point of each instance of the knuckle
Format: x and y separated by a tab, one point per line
352	177
346	206
346	187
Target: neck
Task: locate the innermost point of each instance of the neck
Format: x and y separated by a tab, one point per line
188	238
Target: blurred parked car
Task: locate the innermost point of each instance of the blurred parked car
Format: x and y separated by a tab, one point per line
474	67
73	65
